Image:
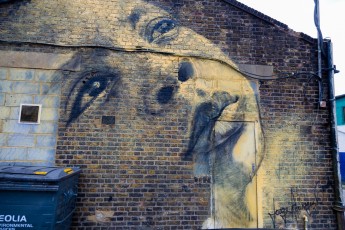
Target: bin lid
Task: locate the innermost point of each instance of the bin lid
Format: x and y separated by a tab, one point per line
36	173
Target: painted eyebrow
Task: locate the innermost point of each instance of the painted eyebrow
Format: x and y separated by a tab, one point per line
135	16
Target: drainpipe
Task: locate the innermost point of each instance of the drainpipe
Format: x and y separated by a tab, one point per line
338	192
305	222
319	48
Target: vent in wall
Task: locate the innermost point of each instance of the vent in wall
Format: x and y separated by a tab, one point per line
30	113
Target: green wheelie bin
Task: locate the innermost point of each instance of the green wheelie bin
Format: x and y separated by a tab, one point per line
34	197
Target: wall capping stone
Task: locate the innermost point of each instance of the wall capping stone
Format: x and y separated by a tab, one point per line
261	70
35	60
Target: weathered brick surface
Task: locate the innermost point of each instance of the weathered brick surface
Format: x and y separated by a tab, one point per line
131	148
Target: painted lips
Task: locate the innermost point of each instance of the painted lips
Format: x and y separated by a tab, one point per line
206	135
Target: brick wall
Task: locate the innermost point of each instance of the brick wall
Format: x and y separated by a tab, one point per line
168	133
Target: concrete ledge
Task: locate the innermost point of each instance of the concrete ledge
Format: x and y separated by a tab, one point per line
254	70
35	60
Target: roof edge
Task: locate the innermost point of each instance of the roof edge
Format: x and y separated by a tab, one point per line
340	96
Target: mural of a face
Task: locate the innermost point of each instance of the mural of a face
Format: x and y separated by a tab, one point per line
222	134
158	68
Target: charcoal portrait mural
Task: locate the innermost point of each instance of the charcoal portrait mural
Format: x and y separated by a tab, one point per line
222	119
223	132
141	70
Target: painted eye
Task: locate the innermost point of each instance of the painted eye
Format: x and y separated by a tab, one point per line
89	88
161	30
95	85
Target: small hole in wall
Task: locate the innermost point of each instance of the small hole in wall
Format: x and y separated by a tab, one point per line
108	120
30	113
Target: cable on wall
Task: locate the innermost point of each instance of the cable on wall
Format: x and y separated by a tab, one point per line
279	76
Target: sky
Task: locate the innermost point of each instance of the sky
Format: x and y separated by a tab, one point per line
299	16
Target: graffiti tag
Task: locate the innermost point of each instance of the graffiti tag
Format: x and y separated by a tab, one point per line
293	211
